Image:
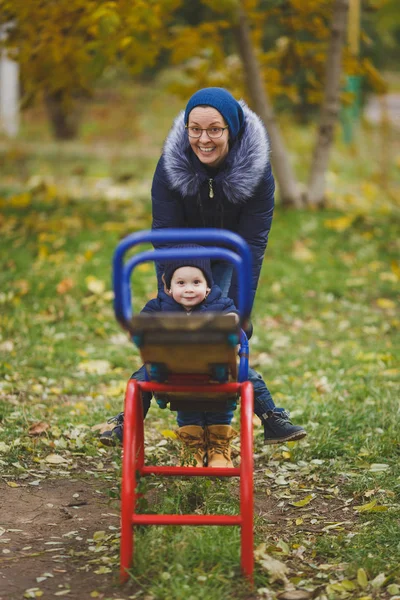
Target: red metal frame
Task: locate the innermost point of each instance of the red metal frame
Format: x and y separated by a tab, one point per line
133	463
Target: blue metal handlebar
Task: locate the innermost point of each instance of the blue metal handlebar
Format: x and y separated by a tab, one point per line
240	258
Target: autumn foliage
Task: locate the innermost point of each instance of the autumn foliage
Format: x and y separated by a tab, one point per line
64	47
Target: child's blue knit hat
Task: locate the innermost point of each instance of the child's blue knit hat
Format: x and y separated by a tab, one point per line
223	102
203	264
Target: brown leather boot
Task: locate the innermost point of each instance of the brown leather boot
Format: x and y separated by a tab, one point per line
193	445
218	445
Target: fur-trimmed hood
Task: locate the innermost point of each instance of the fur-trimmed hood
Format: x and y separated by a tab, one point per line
240	173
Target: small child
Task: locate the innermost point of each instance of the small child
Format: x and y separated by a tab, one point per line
189	288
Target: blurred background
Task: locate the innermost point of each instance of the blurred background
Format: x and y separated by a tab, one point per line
88	92
89	89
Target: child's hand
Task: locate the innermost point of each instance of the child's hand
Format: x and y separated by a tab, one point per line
235	315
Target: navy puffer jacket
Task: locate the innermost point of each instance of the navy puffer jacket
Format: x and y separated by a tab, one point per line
242	189
214	302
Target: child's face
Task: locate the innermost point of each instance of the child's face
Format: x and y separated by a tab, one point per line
188	287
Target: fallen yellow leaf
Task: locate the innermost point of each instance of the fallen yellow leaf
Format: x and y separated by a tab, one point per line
144	268
97	367
168	433
4	447
370	507
304	502
302	252
102	570
340	224
20	200
378	467
96	286
55	459
362	578
385	303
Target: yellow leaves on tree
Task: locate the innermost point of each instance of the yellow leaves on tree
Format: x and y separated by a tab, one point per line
293	64
63	47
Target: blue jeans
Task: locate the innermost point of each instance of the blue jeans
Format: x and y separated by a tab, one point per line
222	275
188	417
185	417
262	403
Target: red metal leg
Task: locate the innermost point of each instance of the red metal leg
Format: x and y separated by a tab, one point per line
246	478
132	427
139	446
133	462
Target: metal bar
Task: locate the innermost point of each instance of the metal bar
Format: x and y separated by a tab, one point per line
165	254
139	426
186	520
246	478
191	471
244	353
128	486
150	386
217	237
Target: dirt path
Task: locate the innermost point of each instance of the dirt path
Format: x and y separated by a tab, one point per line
46	532
59	537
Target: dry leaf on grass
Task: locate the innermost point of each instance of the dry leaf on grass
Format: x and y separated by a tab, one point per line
94	285
38	428
276	569
294	595
372	506
101	427
303	502
96	367
65	285
55	459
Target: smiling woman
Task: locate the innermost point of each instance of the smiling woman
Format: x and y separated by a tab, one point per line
215	172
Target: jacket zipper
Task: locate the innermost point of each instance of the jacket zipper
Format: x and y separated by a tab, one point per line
210	188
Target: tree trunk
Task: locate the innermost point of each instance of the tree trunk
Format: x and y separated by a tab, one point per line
260	102
64	121
9	95
330	106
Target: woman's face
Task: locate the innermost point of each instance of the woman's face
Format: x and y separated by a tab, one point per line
209	152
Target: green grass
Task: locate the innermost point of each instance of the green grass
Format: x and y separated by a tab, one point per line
326	340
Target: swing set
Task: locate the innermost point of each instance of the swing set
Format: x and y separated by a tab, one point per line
186	357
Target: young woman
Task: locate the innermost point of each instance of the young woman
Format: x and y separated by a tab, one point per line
214	171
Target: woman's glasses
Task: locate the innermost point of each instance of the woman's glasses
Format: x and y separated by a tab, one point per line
212	132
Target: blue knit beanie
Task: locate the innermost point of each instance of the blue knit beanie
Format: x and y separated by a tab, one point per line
203	264
223	102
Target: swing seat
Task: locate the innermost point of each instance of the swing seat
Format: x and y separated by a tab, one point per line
193	349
